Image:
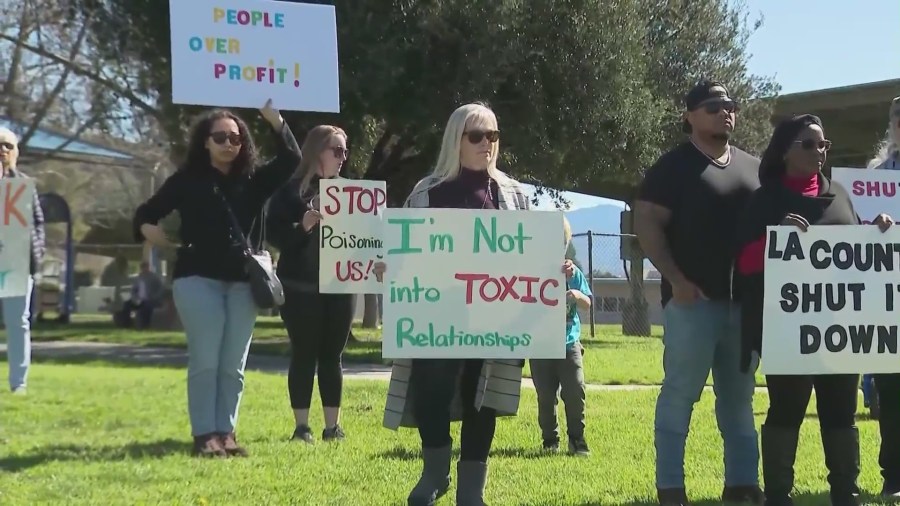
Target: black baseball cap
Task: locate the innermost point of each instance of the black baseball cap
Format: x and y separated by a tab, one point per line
704	90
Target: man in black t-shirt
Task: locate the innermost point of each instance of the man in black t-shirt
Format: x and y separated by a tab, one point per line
685	216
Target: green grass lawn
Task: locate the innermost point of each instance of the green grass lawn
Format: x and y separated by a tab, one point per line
610	357
100	434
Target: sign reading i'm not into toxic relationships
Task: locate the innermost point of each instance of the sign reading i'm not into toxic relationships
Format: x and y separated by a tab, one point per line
350	234
474	284
16	220
237	53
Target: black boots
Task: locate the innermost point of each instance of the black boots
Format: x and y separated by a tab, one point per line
471	477
435	478
842	460
779	450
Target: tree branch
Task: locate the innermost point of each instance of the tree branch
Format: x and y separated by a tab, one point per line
92	75
72	137
60	85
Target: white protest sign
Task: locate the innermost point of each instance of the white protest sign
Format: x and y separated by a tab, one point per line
239	53
831	300
474	284
350	234
16	221
872	191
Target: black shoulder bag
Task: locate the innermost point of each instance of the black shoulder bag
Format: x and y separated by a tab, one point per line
264	284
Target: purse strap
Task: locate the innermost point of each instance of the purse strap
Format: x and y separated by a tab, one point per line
236	225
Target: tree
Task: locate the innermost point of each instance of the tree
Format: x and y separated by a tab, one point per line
587	92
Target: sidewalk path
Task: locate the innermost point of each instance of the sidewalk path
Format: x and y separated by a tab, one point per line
177	357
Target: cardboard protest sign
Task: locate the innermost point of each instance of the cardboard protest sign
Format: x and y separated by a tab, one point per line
237	53
16	221
872	191
831	300
474	284
350	234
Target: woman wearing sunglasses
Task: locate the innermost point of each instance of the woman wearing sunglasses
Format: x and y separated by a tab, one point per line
794	192
422	392
887	386
318	324
218	183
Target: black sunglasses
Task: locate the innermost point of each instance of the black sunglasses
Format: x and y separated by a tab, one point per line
476	136
340	152
810	144
715	107
222	137
8	146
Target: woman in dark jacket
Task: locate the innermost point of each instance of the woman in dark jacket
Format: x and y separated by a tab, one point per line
318	324
795	192
218	184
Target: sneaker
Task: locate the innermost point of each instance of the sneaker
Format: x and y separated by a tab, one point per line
551	445
208	445
335	433
303	433
579	447
19	391
744	495
232	448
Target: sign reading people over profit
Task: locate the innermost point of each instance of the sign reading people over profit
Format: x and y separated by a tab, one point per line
474	284
872	191
350	234
831	303
16	220
237	53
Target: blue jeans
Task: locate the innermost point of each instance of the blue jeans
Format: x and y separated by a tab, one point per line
218	319
700	337
17	320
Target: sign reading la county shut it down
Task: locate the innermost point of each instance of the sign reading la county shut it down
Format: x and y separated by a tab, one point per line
473	284
832	295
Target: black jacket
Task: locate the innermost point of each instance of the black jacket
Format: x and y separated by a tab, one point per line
768	206
298	262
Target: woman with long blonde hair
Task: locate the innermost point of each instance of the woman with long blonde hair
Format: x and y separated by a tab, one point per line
888	155
318	324
423	393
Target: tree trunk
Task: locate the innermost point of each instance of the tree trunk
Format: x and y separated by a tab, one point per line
370	312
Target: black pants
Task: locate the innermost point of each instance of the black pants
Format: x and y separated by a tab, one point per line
318	326
888	386
836	397
434	386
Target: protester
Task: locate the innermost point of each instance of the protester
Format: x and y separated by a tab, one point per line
218	182
318	324
888	385
465	177
685	217
565	376
17	310
147	292
795	192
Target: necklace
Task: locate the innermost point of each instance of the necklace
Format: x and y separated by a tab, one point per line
712	160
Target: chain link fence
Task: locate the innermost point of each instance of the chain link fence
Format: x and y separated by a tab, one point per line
625	286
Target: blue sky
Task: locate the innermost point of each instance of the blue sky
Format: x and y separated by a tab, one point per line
808	45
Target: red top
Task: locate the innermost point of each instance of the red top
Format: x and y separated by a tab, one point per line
753	256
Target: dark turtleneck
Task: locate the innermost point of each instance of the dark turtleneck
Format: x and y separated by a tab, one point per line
470	189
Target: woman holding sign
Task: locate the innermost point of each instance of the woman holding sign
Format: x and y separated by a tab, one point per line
318	324
888	385
794	192
219	187
422	392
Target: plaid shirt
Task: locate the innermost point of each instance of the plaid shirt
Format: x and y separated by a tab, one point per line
38	236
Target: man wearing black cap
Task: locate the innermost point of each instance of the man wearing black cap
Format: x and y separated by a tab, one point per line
685	216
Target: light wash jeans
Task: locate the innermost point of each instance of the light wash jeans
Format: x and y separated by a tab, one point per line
700	337
17	320
218	319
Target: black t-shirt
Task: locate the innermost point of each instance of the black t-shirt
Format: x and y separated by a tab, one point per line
706	201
